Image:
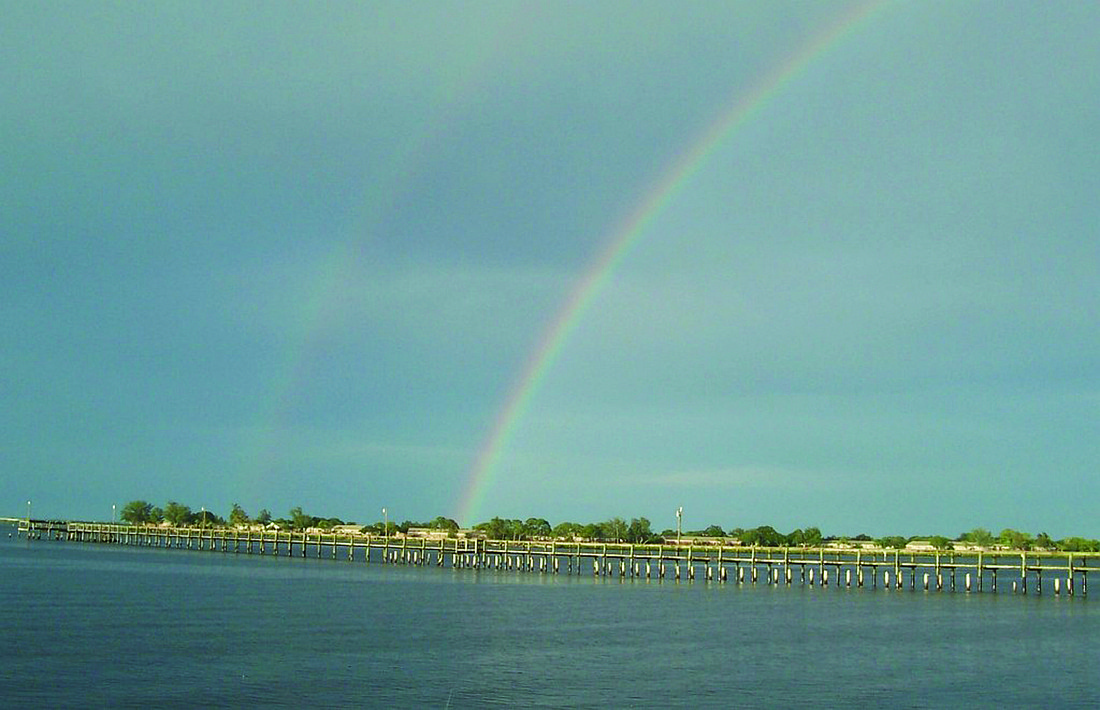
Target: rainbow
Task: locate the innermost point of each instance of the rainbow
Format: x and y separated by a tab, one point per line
744	107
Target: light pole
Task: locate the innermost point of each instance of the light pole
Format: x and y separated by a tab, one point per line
28	516
679	516
386	525
204	517
114	517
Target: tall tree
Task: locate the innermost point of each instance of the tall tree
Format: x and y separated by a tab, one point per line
639	531
237	516
300	520
939	542
177	513
615	528
137	512
536	527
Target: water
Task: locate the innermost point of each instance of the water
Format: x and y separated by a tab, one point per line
105	626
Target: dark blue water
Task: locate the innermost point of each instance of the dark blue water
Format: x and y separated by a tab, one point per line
105	626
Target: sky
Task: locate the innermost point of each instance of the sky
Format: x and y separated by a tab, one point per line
348	256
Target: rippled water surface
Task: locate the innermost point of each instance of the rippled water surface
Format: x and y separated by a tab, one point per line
99	626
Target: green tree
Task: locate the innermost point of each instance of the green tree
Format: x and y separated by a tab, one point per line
299	520
566	530
237	516
713	531
264	516
442	523
811	537
1043	541
763	536
639	531
615	528
206	518
1015	539
939	542
536	527
980	537
156	514
495	529
177	513
895	542
593	531
137	512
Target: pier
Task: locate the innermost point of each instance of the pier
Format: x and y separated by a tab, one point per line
970	571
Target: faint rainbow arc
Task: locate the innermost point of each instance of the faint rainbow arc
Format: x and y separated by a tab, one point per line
259	447
554	336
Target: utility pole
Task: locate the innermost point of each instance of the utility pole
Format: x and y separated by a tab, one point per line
386	525
679	517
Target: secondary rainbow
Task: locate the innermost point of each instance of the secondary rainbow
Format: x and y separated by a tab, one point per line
745	106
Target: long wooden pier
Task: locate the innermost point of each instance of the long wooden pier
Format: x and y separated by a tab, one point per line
949	570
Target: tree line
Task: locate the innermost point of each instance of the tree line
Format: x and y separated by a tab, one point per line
636	531
140	512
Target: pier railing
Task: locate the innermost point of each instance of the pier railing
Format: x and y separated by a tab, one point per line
963	570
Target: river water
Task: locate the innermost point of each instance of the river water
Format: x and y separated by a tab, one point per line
105	626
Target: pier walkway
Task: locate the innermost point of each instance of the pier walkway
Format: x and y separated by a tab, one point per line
948	570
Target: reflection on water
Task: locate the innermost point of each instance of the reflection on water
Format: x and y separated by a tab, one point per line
106	626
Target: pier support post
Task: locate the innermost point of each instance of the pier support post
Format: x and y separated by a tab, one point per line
968	583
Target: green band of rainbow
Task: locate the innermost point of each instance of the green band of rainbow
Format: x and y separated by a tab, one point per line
744	108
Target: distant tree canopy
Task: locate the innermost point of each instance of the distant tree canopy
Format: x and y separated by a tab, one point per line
137	512
613	530
299	520
895	542
177	513
237	516
977	536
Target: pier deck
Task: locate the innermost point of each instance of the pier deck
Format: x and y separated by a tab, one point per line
948	570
